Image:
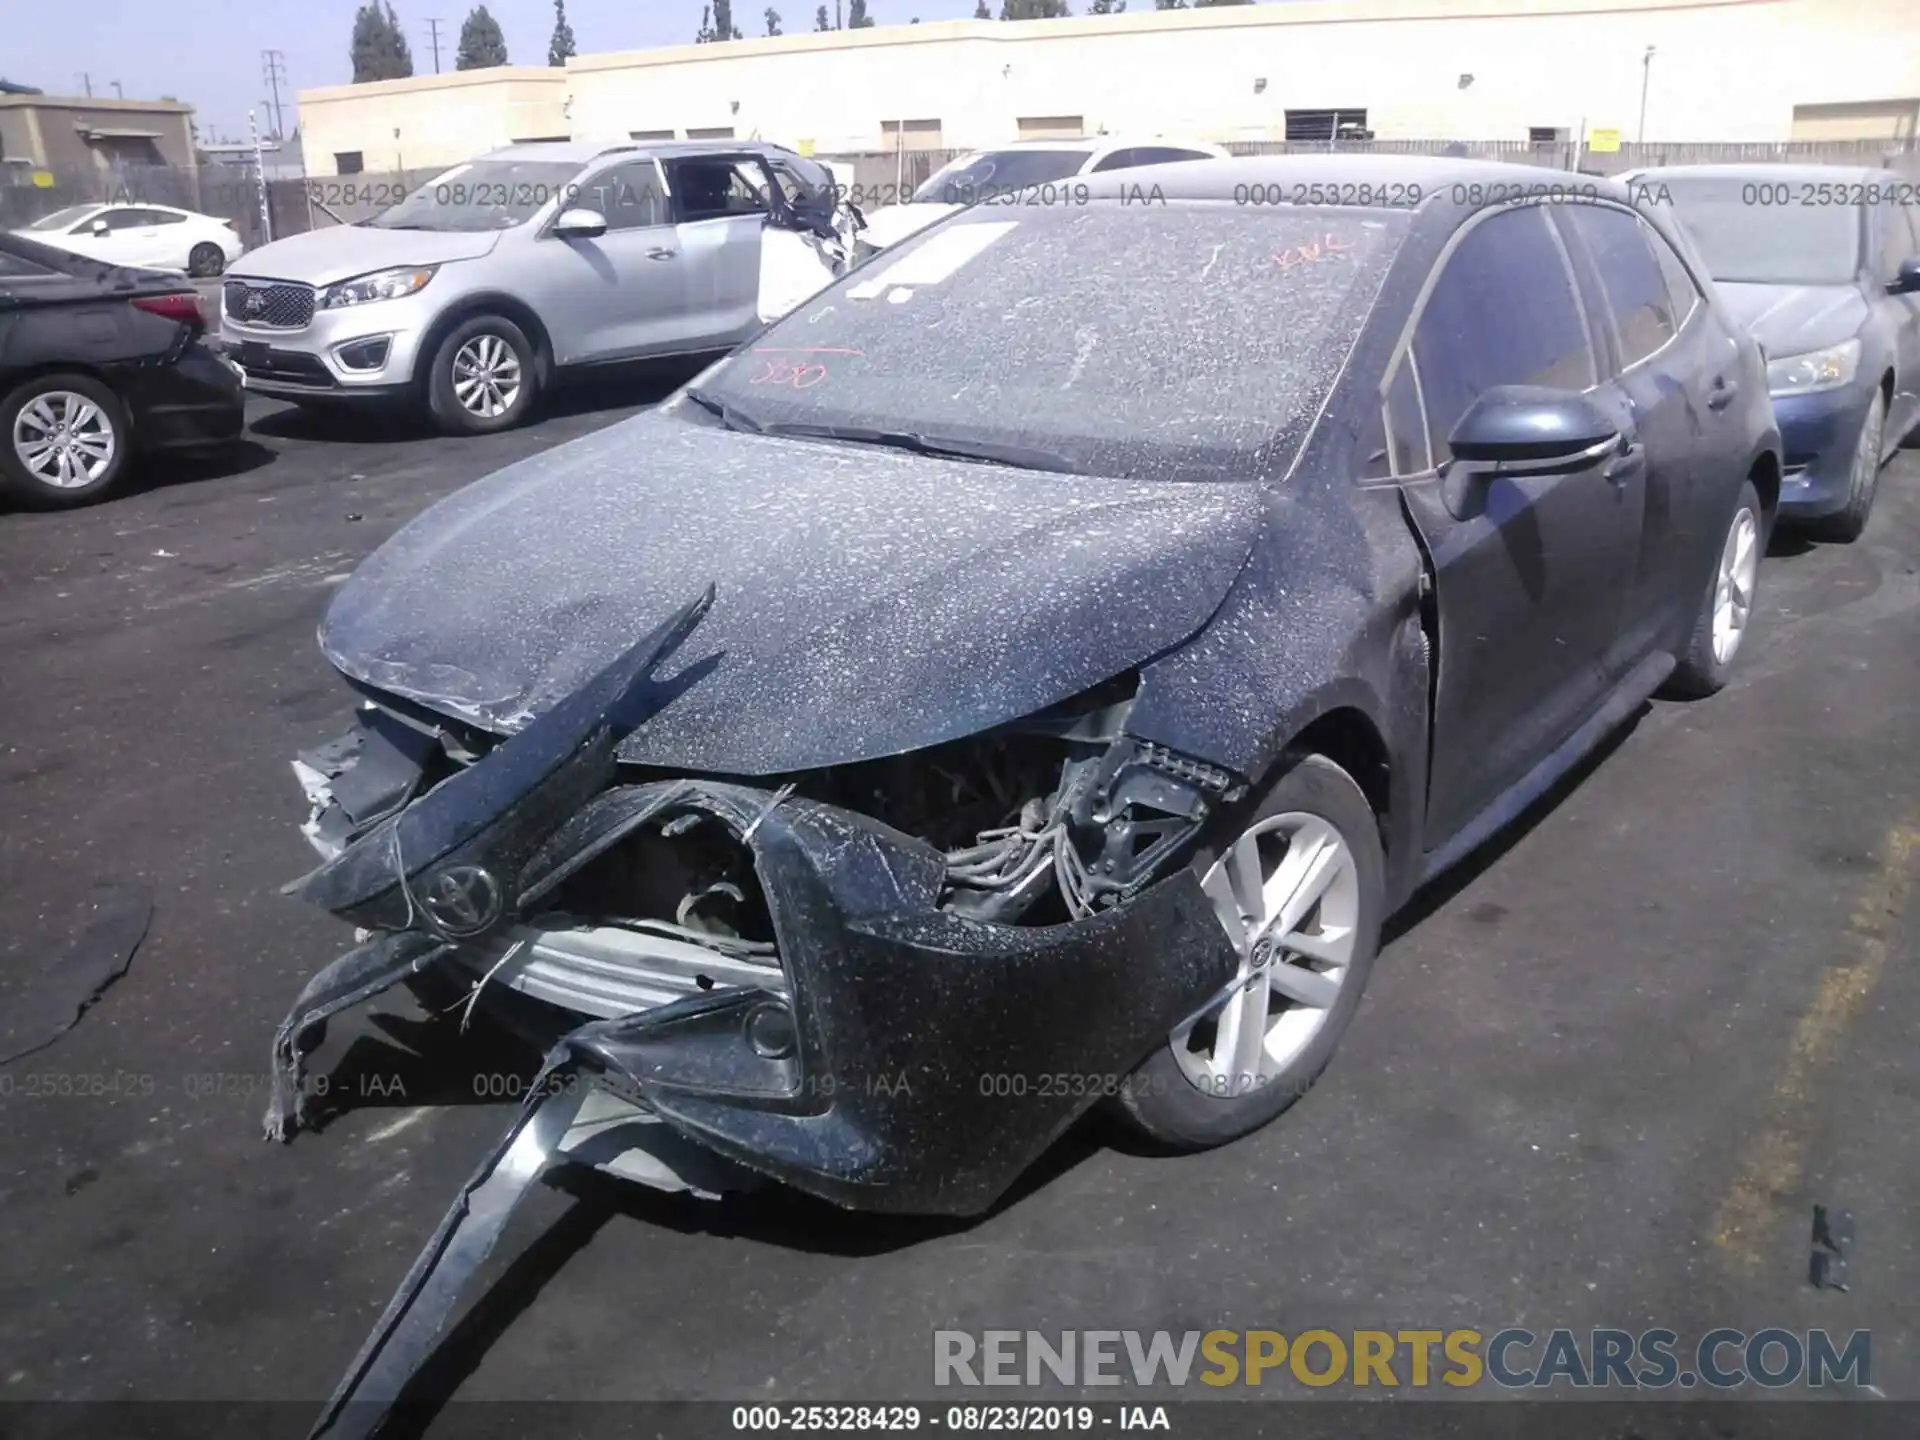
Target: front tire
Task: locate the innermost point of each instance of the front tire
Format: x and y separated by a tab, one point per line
484	377
1863	479
1300	885
1705	663
206	260
63	441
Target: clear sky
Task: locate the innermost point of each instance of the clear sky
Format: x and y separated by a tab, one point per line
208	52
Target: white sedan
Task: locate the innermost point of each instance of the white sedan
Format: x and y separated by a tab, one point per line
1034	167
156	237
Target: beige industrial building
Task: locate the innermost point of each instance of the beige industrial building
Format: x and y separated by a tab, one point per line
1479	70
76	134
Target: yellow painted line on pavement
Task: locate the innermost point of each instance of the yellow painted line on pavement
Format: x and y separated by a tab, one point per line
1776	1158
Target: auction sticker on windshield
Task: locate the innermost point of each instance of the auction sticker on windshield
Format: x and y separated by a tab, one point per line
939	258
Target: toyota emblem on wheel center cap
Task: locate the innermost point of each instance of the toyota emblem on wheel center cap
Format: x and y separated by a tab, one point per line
461	900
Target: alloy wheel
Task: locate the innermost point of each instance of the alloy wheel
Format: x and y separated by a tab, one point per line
1733	586
64	439
1288	894
486	376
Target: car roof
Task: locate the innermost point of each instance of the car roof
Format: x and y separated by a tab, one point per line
580	152
1764	171
1087	144
1431	175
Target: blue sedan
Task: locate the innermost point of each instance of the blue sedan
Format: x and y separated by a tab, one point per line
1822	264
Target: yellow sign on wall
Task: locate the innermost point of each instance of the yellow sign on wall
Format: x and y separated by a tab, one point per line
43	179
1604	142
805	147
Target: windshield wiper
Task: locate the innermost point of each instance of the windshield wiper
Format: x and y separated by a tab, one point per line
730	417
1022	457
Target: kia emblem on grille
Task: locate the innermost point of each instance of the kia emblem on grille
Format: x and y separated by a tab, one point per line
253	303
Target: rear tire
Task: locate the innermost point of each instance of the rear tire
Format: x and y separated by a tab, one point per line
1864	478
484	377
1726	609
1191	1094
57	415
206	260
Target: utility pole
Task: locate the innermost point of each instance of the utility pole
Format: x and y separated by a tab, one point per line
118	92
86	80
1646	75
433	33
260	176
275	63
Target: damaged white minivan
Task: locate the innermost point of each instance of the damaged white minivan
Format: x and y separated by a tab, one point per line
495	279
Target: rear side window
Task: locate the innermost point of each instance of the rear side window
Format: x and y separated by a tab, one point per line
1630	277
1502	312
1119	160
715	189
1164	155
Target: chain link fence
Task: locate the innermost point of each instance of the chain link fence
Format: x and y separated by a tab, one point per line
292	206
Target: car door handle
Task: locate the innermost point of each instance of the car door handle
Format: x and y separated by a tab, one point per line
1631	460
1722	394
660	252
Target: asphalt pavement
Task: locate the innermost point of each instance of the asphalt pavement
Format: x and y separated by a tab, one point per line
1600	1079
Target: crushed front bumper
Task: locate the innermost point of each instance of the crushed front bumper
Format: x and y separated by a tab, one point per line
932	1057
1819	433
891	1055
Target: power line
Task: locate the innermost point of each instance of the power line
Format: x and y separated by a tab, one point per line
275	63
433	31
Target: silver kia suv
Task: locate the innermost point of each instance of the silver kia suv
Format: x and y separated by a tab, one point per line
472	294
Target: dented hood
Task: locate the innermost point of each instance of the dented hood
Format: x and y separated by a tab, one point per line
869	602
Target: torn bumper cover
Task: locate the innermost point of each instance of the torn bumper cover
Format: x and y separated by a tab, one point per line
895	1056
902	1057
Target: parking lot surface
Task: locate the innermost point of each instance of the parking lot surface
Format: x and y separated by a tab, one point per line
1600	1077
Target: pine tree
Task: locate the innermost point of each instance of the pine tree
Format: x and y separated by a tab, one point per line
1199	3
402	61
560	48
1107	7
820	20
1169	4
1033	9
857	17
981	12
773	21
380	51
481	43
723	26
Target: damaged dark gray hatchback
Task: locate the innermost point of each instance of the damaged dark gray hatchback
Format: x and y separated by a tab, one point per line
1032	671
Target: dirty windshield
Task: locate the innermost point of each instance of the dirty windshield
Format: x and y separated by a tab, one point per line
979	177
485	195
1187	342
1747	238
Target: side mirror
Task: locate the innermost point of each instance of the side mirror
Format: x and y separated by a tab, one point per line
1907	281
580	225
1529	429
98	227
